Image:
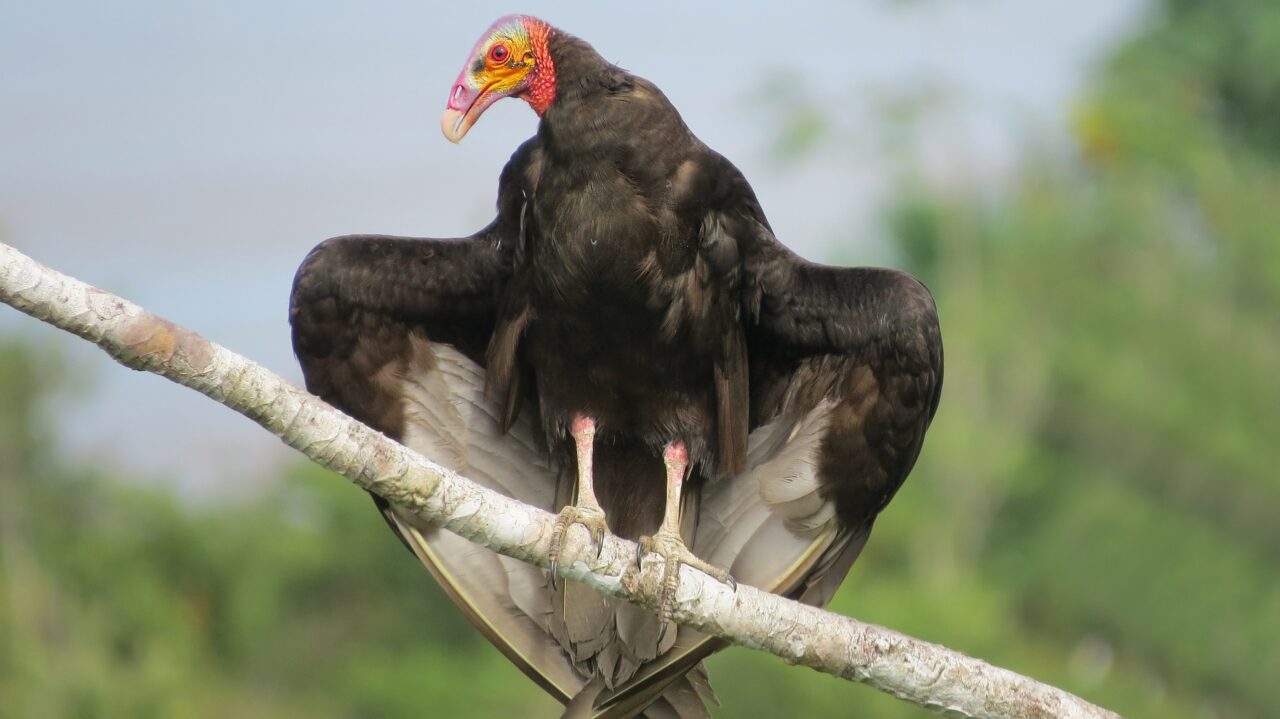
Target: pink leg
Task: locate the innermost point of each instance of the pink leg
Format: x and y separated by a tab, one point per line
676	459
586	510
583	430
668	543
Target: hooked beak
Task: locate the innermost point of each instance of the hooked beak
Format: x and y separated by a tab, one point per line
466	104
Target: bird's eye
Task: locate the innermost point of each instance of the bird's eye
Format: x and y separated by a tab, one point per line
499	53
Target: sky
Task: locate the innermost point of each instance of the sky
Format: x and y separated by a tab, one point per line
187	155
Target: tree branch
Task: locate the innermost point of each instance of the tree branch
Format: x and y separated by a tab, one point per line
926	674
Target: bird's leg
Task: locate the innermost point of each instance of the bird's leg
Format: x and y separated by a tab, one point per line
667	541
586	511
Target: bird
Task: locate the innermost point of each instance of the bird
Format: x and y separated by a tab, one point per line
628	345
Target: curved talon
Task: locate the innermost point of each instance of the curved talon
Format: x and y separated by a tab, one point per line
670	583
639	555
557	541
588	516
675	555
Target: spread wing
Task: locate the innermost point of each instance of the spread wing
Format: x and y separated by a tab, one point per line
390	329
393	331
868	340
848	362
845	370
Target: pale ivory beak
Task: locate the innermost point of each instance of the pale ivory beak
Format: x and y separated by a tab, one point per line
466	104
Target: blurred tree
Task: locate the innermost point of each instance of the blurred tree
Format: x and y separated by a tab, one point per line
1094	505
118	601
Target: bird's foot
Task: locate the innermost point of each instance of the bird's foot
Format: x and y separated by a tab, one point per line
674	553
589	516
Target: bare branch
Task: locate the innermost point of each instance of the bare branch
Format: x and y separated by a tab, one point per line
917	671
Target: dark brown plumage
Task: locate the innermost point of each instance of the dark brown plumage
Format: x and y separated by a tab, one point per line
629	278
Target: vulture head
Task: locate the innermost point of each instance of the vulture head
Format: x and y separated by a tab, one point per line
511	59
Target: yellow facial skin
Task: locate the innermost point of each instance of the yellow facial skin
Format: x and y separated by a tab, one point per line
501	65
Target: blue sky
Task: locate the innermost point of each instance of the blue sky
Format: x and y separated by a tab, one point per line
187	155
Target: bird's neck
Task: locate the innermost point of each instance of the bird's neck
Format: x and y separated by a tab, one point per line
542	87
579	71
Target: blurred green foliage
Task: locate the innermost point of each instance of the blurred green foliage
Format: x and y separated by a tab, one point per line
1094	506
118	601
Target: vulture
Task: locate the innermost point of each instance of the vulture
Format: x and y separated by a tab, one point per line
627	345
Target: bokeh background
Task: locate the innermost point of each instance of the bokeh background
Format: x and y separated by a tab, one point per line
1091	189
